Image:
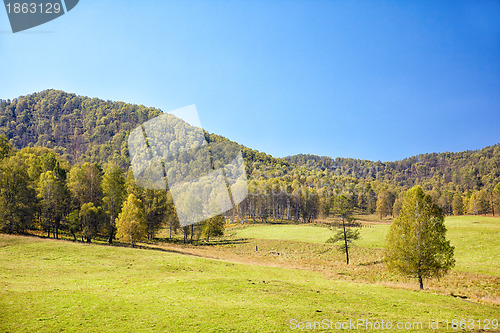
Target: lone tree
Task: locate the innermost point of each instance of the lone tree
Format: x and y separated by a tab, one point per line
345	236
131	223
416	242
343	208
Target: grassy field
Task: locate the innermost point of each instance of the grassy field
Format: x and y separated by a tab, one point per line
476	239
371	236
477	243
49	286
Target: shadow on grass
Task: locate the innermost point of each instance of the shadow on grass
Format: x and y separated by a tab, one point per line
269	221
201	242
157	246
370	263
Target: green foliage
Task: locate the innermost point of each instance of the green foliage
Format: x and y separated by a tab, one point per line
113	187
457	204
5	147
85	184
342	207
91	218
462	171
213	227
474	238
73	220
131	224
416	242
398	204
18	203
52	194
82	129
479	203
496	199
157	208
385	203
347	238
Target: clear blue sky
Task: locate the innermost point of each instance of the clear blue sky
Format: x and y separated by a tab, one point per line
379	80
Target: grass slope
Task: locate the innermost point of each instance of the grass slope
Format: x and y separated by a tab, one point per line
49	286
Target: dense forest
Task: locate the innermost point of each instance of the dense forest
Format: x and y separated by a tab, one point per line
81	129
462	171
65	165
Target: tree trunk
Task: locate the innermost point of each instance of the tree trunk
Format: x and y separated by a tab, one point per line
208	231
345	242
192	232
421	282
111	229
492	204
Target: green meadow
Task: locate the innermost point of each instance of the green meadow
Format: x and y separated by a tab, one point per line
58	286
476	239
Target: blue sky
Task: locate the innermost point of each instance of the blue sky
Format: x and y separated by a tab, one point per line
379	80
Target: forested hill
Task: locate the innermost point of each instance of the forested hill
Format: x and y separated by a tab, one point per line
79	128
466	170
84	129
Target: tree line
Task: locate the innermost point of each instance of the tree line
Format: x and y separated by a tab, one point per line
40	190
304	194
464	171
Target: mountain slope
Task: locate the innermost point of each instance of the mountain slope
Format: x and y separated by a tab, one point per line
80	128
90	129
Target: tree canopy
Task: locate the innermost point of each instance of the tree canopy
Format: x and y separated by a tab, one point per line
131	224
416	242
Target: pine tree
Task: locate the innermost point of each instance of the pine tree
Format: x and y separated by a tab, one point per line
342	207
416	242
